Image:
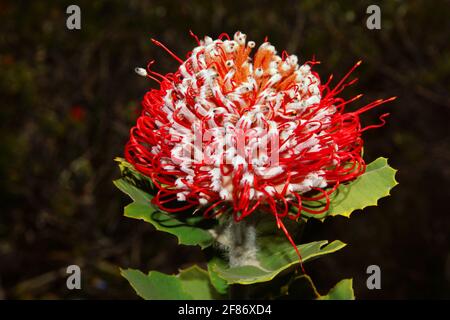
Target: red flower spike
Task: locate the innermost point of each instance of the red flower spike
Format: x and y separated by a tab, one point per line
234	134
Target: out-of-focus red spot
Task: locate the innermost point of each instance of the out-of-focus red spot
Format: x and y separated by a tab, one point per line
77	113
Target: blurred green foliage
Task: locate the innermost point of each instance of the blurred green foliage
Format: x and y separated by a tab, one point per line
69	98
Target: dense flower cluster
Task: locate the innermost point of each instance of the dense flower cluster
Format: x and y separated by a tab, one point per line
233	133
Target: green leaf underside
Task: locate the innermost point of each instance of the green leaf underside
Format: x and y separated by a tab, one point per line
190	284
343	290
142	208
221	285
365	191
274	256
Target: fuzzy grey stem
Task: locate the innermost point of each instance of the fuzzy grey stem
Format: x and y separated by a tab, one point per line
242	243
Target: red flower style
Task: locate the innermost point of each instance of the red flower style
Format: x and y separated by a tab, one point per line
231	134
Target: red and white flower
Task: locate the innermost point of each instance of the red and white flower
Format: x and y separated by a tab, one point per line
232	133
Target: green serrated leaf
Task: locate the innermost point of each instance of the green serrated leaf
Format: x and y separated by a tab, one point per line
190	284
142	208
274	255
366	190
343	290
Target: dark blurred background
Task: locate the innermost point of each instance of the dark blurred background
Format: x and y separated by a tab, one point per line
69	98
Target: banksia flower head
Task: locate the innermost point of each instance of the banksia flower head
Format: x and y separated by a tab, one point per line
230	132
